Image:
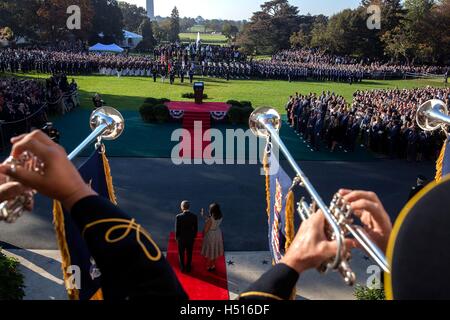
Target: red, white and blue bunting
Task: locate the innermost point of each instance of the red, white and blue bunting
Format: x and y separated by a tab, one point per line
218	115
177	114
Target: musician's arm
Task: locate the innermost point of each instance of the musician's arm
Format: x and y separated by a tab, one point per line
310	247
131	263
276	284
125	252
309	250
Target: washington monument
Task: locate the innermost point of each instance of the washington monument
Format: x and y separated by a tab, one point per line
150	9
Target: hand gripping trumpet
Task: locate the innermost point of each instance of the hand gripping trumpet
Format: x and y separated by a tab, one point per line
265	122
106	123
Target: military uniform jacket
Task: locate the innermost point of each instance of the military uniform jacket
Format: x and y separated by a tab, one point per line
276	284
130	262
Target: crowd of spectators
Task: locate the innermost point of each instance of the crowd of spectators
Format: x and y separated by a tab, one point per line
381	120
20	98
25	103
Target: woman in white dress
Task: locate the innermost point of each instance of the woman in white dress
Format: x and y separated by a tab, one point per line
213	240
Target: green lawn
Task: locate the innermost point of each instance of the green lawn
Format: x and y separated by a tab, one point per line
205	37
129	93
199	28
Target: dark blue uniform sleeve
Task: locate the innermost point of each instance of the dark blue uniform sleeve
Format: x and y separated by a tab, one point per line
131	264
276	284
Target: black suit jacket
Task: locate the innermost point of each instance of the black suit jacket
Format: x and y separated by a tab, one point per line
186	226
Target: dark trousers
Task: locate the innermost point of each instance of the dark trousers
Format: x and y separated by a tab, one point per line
185	248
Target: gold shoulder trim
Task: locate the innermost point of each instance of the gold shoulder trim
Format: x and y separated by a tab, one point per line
397	226
128	226
260	294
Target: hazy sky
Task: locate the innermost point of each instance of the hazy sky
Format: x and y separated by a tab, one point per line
240	9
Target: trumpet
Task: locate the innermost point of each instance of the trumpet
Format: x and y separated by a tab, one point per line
433	115
106	123
266	122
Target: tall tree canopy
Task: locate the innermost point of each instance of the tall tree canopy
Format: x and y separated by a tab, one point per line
230	31
107	24
148	42
174	26
270	29
133	16
20	16
52	18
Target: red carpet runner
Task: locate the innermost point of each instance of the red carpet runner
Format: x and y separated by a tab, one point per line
199	284
196	123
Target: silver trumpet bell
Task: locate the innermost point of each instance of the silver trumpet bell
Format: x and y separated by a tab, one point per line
106	123
433	115
112	118
262	117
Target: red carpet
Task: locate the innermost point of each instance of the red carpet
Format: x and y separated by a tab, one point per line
200	284
197	124
196	116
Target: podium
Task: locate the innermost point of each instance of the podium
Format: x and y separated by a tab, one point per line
199	87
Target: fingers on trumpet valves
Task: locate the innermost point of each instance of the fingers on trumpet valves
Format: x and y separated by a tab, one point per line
304	209
12	209
347	273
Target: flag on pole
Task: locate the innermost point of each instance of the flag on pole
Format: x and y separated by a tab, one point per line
443	163
280	208
198	40
81	275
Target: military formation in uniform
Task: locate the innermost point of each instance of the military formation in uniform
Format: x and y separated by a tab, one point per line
189	60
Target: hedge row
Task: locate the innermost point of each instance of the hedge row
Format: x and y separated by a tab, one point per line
191	95
155	110
240	111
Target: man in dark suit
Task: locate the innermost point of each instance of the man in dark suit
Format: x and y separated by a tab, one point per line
186	230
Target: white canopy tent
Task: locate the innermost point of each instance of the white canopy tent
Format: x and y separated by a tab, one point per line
131	39
106	48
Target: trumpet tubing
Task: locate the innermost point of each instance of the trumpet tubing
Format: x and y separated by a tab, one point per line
106	123
266	122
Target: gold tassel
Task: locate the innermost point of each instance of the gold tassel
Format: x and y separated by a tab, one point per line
58	221
109	181
289	222
98	295
266	166
440	162
290	227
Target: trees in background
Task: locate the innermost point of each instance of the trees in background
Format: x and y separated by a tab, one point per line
52	20
270	29
303	37
174	26
20	16
411	30
230	31
148	39
6	34
133	16
46	21
107	23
